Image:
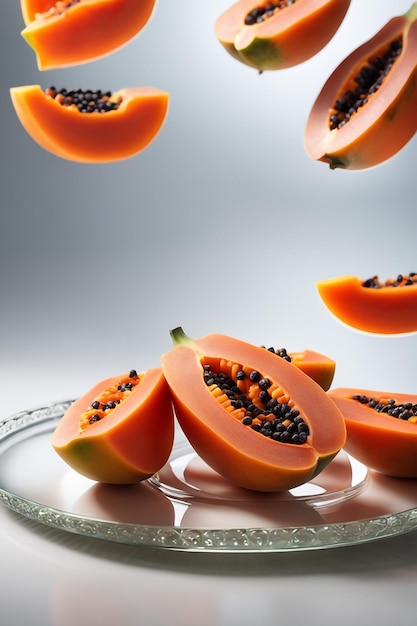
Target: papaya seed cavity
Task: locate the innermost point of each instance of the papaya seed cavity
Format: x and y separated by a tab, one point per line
264	12
255	401
365	83
401	410
85	101
108	399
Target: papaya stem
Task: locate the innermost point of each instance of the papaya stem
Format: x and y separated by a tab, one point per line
411	14
179	337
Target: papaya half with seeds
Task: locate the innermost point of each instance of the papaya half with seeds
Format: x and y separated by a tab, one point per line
281	34
119	432
319	367
71	32
255	419
381	429
91	126
372	306
365	112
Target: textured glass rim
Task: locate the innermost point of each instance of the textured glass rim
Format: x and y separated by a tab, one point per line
257	539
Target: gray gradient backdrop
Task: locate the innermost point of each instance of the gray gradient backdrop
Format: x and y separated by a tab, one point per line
222	225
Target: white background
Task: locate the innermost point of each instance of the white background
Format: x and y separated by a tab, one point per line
223	224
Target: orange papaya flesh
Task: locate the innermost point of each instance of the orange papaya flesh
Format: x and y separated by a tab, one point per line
365	112
381	429
90	126
372	306
278	35
121	431
319	367
236	431
71	32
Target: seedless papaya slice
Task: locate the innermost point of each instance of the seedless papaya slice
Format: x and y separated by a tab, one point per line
372	306
119	432
280	34
91	126
319	367
365	112
233	429
381	429
70	32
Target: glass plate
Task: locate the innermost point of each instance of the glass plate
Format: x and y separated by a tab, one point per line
187	506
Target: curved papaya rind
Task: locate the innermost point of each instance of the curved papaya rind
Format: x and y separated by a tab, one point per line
383	443
244	457
383	311
92	137
125	447
387	123
289	38
84	32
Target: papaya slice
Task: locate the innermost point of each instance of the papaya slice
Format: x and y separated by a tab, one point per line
373	306
121	431
319	367
236	402
365	112
381	429
277	35
70	32
91	126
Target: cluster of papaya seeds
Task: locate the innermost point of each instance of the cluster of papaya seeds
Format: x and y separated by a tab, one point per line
87	126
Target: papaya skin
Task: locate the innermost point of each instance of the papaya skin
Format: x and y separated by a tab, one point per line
381	128
384	311
244	457
92	137
290	37
83	32
128	445
381	442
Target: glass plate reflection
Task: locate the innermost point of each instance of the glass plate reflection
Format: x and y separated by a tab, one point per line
188	507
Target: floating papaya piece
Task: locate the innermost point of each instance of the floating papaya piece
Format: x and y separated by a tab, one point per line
255	419
70	32
372	306
119	432
319	367
381	429
91	126
280	34
365	112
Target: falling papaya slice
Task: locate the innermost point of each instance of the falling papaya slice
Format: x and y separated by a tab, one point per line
119	432
255	419
319	367
373	306
70	32
381	429
365	112
277	35
91	126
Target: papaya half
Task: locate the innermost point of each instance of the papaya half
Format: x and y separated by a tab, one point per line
373	306
319	367
255	419
381	429
365	112
281	34
91	126
71	32
121	431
